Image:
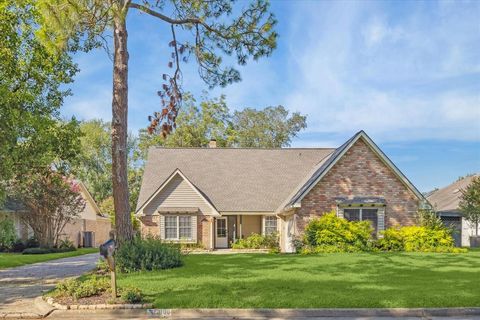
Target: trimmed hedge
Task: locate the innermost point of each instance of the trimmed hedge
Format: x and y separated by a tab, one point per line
47	250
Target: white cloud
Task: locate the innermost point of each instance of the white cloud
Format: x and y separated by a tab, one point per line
96	105
344	85
376	31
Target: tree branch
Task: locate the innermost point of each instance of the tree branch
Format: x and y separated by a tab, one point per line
165	18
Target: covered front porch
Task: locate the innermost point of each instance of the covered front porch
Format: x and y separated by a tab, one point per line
230	227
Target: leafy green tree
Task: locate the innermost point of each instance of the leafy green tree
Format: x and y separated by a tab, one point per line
106	207
94	162
31	92
470	203
94	165
197	124
210	29
8	236
272	127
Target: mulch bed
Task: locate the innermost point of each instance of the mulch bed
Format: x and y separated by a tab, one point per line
105	298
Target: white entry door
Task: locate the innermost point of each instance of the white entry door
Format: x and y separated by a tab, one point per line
221	232
288	229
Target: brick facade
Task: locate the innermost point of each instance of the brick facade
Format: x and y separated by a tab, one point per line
361	173
150	225
100	227
204	227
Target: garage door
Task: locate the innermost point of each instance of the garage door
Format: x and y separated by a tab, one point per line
454	223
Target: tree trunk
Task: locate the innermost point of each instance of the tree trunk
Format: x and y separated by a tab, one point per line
123	223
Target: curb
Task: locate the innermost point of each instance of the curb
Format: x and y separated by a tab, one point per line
309	313
278	313
58	306
44	308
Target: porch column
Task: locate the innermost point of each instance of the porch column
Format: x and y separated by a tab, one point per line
240	229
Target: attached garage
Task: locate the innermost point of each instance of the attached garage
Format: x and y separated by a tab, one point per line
454	223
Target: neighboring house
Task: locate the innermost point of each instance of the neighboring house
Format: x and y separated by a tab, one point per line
213	196
90	229
445	202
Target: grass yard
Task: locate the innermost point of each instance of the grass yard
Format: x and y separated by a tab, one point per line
8	260
318	281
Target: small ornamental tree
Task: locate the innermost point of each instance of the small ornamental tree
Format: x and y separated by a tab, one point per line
51	201
470	203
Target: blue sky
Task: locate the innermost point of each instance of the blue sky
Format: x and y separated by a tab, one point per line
406	72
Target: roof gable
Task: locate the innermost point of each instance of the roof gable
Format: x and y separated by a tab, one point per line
87	196
175	175
336	156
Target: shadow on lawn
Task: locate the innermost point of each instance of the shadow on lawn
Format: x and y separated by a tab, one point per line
330	280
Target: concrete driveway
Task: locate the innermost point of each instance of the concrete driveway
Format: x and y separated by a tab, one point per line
21	285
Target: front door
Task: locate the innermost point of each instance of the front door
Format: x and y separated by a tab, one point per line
288	234
221	232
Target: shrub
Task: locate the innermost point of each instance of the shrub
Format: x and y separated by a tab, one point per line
47	250
81	289
18	246
257	241
330	249
131	295
102	266
147	254
66	244
37	250
330	231
8	234
429	219
416	238
32	242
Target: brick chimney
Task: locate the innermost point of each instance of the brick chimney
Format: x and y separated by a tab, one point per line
212	143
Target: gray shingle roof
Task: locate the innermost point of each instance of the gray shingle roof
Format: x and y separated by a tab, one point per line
234	179
447	199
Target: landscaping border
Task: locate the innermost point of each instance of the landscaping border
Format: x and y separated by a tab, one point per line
104	306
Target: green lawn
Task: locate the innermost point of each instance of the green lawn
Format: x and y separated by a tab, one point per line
318	281
8	260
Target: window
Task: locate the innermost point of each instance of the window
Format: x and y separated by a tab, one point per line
178	227
352	214
221	228
270	224
171	227
362	214
370	215
185	227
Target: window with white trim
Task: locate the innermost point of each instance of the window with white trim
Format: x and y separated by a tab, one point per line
362	214
185	227
270	224
178	227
